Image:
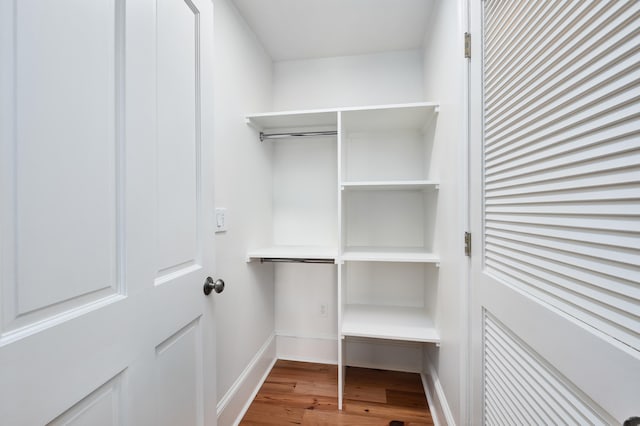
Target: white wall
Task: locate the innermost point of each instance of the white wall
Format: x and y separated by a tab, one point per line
245	310
304	333
443	81
382	78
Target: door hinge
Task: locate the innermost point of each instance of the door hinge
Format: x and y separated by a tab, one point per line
467	45
467	244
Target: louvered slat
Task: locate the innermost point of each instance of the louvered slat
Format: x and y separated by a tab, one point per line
623	123
608	238
559	91
604	113
562	162
596	251
540	53
624	224
524	401
520	388
520	20
572	58
597	281
509	369
546	52
602	143
541	35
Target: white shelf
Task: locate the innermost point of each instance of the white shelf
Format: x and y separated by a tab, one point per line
389	322
293	252
399	185
320	118
383	117
370	254
407	116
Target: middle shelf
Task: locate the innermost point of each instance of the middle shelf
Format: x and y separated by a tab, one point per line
301	253
389	184
350	254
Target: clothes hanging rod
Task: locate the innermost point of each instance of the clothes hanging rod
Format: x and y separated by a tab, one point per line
264	136
292	260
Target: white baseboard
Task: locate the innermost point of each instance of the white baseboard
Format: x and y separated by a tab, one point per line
440	411
235	403
323	350
387	355
383	355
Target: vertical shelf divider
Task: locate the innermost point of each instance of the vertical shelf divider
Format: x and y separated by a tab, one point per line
340	292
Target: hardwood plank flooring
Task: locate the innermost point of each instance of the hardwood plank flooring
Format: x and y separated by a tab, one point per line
304	393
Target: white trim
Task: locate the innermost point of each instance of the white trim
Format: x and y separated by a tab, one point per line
234	404
320	336
392	355
306	359
464	22
384	366
426	385
254	393
319	349
440	411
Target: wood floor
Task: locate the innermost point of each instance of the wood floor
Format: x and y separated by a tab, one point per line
305	393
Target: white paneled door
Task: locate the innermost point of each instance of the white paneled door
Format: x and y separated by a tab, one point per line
106	213
555	196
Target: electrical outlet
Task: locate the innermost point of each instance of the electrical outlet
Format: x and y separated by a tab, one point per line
323	310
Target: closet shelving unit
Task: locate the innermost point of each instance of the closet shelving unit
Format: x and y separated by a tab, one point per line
384	200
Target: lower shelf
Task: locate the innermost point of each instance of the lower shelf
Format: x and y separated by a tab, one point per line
389	322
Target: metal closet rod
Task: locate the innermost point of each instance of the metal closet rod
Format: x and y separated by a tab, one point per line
290	260
264	136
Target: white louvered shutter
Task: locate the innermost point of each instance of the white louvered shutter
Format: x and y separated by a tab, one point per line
562	156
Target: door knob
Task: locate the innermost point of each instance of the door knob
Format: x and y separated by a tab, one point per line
209	284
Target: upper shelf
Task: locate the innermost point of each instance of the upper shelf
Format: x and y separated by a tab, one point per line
407	116
389	117
319	118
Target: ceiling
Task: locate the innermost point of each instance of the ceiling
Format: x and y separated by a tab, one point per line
303	29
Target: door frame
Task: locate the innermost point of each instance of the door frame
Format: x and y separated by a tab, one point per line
473	123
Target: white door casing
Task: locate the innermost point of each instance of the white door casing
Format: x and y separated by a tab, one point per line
106	220
555	190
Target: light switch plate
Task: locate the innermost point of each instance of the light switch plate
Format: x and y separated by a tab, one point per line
221	219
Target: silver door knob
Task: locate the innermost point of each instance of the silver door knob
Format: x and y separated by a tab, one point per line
209	284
